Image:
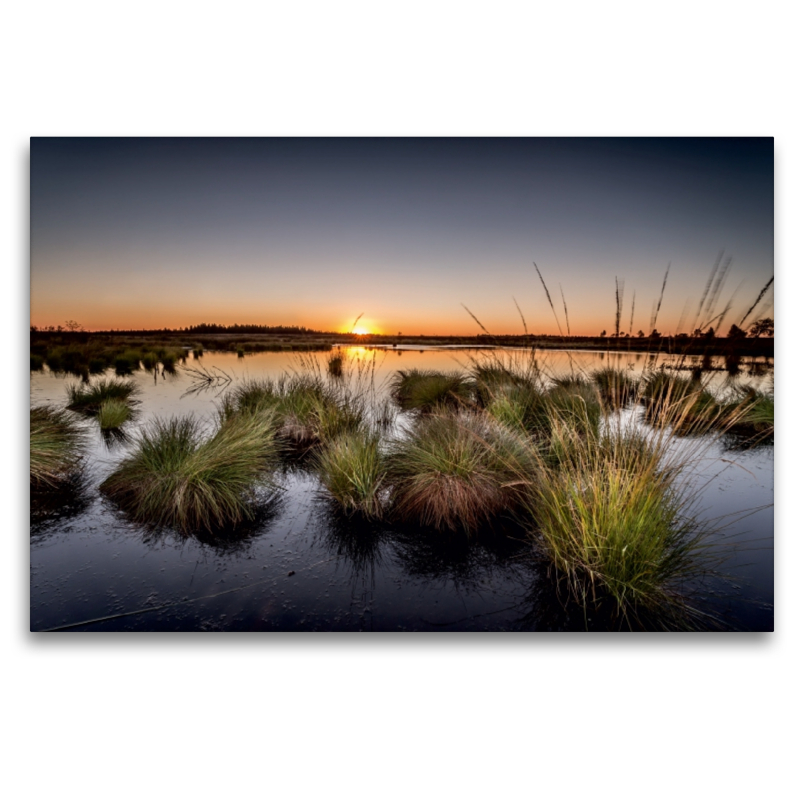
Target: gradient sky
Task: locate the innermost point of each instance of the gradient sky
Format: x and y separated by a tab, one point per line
151	233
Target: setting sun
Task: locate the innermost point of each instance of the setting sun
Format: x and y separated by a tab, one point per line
361	331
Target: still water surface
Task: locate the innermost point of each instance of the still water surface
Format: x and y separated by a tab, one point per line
302	566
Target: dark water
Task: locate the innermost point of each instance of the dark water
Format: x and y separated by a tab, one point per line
302	566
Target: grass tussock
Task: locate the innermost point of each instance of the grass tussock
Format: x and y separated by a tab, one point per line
56	446
613	522
615	386
427	390
175	477
683	404
352	470
336	364
456	471
88	399
305	411
113	414
750	413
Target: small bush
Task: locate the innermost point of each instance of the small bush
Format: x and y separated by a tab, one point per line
37	362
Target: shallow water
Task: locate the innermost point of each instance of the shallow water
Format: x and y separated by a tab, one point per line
301	566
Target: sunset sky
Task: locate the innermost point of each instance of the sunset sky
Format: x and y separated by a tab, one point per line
151	233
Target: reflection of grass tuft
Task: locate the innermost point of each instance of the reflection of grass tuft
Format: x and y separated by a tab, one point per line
176	478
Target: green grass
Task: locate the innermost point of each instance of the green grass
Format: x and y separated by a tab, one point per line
113	414
428	390
352	469
614	523
56	446
169	360
149	360
37	362
750	413
306	412
87	399
683	404
456	471
615	386
526	408
127	362
175	477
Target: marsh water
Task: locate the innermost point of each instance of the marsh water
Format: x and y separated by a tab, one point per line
301	565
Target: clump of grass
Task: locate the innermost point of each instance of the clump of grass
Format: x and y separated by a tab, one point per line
87	399
527	409
336	364
177	478
455	471
750	413
576	404
169	359
613	522
352	469
681	403
113	414
615	386
495	379
37	362
149	360
127	362
197	351
56	444
428	390
251	397
306	413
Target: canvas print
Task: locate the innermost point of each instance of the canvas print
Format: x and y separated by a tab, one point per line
401	384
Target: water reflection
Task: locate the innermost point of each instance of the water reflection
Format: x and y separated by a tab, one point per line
51	508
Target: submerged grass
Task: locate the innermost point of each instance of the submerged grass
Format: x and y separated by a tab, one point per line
177	478
56	446
352	469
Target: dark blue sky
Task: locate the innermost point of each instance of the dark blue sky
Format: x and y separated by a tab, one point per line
170	232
